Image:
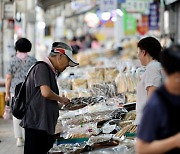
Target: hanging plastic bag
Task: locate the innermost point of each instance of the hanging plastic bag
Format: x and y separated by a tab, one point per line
7	110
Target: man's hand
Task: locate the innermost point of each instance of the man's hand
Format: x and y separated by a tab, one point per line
64	100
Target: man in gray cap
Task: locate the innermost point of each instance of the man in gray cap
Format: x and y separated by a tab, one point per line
41	117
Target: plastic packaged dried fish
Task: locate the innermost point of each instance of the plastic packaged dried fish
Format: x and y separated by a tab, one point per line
99	138
81	131
79	83
117	114
105	89
66	148
111	127
121	83
64	84
77	103
110	74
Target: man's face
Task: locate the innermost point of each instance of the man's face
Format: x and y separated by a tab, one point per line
62	62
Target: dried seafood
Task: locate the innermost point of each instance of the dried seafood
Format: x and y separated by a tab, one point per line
105	89
77	103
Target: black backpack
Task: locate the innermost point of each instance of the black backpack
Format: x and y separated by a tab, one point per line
19	103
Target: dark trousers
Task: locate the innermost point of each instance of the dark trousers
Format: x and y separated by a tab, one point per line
37	141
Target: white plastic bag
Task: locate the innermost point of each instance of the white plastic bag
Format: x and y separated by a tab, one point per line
6	114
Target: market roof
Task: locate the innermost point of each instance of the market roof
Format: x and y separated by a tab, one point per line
45	4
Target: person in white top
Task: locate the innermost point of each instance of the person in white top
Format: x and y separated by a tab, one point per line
149	50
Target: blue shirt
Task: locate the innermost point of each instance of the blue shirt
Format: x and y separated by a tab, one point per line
155	121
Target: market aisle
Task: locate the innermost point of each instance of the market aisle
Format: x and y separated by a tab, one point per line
8	143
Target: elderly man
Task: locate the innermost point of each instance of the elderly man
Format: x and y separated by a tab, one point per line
41	117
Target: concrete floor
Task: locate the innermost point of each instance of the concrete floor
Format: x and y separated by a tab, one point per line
8	142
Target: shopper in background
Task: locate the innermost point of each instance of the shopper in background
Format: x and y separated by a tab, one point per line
41	117
95	43
149	50
88	40
74	45
16	72
159	130
81	42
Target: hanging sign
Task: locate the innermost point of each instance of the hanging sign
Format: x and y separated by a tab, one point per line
154	16
137	6
129	24
108	5
8	11
142	25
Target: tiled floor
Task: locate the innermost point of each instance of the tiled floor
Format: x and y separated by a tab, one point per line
8	142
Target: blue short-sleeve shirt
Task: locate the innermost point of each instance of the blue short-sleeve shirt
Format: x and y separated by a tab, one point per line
154	124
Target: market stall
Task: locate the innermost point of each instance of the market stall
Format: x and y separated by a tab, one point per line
102	109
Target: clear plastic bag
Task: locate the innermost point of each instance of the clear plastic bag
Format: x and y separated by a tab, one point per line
129	80
110	74
86	118
121	149
99	138
110	127
82	131
64	84
95	76
121	83
119	113
105	89
79	83
7	113
71	94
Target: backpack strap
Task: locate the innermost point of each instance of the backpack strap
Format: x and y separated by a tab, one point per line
38	62
31	68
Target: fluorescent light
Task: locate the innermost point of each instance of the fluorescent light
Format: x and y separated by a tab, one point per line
106	15
41	25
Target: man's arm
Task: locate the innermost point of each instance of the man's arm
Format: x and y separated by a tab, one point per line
159	146
49	94
7	86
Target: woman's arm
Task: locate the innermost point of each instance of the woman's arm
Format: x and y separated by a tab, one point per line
150	90
7	86
158	147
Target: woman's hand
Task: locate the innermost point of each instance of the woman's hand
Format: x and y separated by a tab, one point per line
7	97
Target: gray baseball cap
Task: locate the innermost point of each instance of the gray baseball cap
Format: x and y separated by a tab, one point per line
61	47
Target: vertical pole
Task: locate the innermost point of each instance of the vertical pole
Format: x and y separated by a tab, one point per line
8	37
30	23
162	17
1	41
118	29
